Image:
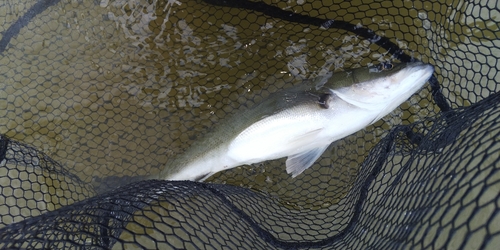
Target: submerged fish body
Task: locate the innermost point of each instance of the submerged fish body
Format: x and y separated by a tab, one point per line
300	123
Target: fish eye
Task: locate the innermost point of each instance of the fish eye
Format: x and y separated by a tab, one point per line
386	66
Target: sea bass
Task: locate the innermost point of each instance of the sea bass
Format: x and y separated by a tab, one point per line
300	123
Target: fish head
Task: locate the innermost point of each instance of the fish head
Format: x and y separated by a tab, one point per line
381	88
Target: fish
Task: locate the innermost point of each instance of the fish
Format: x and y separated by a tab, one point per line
301	122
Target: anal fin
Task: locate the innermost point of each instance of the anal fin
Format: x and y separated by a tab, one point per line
297	163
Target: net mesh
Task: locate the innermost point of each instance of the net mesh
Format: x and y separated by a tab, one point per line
97	93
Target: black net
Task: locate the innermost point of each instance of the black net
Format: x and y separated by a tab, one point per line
104	92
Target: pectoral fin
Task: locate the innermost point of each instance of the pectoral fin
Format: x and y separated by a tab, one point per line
296	164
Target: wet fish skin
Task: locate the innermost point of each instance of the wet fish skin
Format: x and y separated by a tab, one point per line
300	123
